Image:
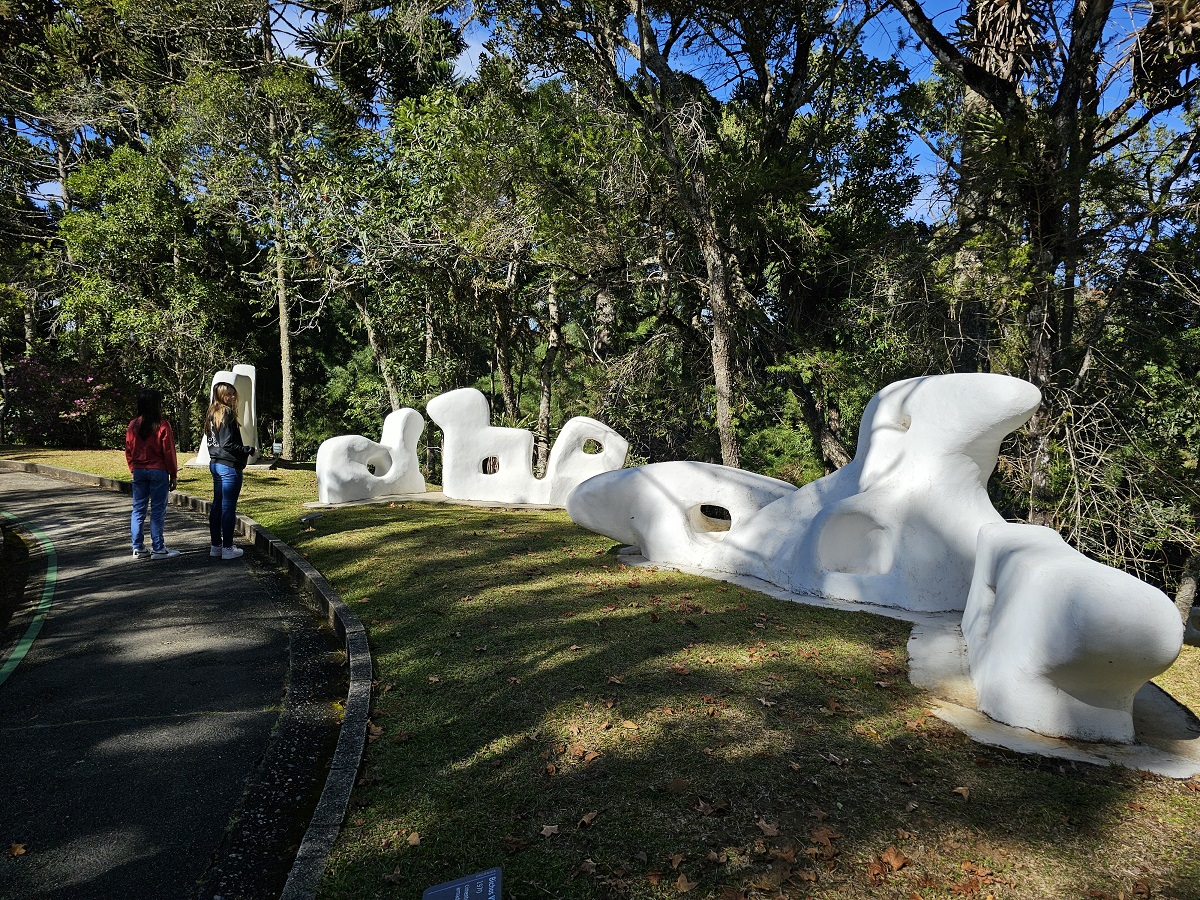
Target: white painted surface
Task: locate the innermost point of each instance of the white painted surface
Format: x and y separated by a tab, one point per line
895	527
1059	643
351	467
244	380
470	441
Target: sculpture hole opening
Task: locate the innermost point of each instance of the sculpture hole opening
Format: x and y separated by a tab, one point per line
491	465
592	446
371	468
710	519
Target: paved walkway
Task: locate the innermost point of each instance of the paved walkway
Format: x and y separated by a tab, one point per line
163	735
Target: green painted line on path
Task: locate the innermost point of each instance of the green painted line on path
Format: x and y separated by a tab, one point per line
31	633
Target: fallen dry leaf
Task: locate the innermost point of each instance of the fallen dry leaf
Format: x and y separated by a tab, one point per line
513	844
548	830
910	805
963	792
675	860
396	877
589	818
654	876
435	679
683	885
765	702
16	850
767	828
628	724
716	858
823	834
894	859
414	839
819	814
588	867
677	786
616	679
877	872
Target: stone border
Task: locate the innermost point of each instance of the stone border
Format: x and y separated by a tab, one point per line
319	595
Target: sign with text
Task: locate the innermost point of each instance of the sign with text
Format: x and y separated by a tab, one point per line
480	886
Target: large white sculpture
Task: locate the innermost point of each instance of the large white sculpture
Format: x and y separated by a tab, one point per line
244	380
483	462
1059	643
896	526
351	467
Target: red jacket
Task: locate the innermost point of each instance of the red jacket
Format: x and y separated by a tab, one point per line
154	452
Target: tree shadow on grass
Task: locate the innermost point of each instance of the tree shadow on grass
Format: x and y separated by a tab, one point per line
528	679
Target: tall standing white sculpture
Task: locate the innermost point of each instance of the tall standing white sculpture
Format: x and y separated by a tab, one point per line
244	380
895	527
351	467
483	462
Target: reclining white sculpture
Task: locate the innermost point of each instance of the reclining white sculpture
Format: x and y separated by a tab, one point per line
351	467
244	380
1059	643
482	462
895	527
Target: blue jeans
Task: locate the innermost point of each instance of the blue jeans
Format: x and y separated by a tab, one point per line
227	483
149	490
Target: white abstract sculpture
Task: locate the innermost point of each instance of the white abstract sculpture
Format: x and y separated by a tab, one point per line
244	379
1059	643
482	462
895	527
351	467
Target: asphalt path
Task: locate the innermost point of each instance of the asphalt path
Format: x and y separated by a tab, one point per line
165	725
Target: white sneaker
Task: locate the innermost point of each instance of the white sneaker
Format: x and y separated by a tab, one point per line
164	553
214	550
140	553
231	552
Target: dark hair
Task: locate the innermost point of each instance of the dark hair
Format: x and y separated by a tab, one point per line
149	411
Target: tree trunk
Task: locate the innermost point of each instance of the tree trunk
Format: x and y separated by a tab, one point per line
722	343
281	286
606	317
1185	596
377	354
553	341
823	421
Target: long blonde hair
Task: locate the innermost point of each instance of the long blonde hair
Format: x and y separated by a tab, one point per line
225	398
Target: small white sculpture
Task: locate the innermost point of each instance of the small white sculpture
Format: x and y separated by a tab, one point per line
1059	643
895	527
483	462
244	380
351	467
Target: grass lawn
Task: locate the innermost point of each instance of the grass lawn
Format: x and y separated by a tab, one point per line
597	730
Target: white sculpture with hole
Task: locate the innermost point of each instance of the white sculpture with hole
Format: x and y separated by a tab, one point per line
351	467
895	527
1059	643
244	379
484	462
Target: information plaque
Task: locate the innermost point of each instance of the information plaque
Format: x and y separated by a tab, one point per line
480	886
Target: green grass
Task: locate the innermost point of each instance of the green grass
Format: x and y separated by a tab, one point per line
526	680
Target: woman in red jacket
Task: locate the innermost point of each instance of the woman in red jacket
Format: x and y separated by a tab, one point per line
150	453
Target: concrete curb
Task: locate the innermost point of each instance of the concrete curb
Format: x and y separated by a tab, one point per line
319	595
